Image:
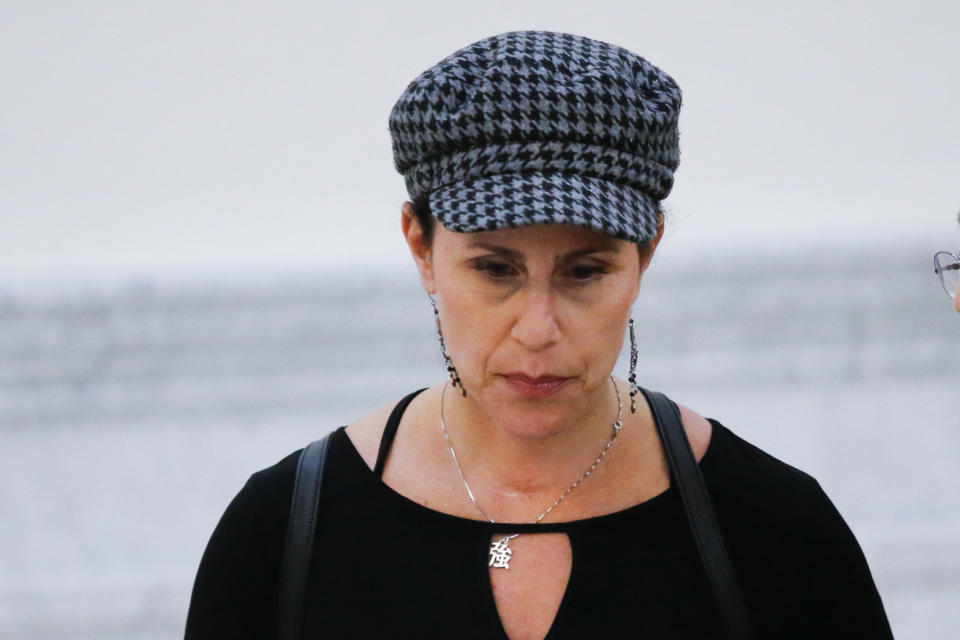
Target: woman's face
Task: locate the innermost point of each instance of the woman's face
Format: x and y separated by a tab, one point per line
533	318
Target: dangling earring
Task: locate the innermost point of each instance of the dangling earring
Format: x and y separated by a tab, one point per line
633	369
452	370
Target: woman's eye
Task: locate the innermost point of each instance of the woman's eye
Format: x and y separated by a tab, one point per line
586	273
496	270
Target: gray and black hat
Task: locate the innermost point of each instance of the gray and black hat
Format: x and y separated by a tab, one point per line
536	127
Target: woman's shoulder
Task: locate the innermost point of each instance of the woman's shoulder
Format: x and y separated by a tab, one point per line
270	488
275	479
366	432
742	461
274	484
264	500
740	473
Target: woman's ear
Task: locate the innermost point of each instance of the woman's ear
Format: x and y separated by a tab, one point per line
422	252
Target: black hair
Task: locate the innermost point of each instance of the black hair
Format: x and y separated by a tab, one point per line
428	224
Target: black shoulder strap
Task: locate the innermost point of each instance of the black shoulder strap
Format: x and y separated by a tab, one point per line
302	522
299	543
390	431
703	521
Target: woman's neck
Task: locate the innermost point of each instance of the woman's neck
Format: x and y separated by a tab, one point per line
513	469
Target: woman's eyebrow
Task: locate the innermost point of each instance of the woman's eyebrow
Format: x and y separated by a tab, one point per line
588	250
492	248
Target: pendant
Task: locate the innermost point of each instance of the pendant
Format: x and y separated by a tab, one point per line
500	552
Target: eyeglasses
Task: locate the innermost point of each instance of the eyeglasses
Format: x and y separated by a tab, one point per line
947	267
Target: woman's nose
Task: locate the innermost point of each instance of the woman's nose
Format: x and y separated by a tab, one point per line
536	325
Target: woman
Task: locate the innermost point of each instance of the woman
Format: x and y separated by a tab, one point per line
529	496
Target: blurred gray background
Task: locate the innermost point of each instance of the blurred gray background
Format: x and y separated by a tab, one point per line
201	267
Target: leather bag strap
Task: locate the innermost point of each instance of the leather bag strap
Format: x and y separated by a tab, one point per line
703	522
299	543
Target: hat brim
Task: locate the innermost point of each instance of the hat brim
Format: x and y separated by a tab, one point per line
511	200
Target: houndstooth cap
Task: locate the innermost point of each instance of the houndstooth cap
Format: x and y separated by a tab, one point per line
537	127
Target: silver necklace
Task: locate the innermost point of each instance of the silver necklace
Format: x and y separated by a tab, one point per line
500	551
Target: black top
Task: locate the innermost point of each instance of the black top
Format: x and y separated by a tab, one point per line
385	566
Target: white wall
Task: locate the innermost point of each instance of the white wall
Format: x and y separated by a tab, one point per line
203	136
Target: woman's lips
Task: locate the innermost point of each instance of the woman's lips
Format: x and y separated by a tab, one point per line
542	387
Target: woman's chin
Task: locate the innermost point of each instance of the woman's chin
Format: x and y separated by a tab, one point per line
532	413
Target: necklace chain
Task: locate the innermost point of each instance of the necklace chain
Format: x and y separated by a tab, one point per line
617	425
